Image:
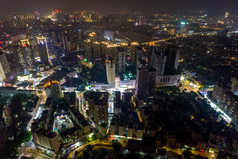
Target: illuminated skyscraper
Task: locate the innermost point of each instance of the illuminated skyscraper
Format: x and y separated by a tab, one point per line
110	68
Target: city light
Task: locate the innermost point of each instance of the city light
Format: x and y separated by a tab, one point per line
74	81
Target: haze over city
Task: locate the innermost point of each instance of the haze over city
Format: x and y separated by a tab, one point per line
170	6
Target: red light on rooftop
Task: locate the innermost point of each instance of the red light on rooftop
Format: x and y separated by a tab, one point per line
7	35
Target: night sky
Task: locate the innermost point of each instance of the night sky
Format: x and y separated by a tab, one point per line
212	6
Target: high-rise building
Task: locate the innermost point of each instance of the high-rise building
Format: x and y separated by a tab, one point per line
47	140
25	42
136	53
151	81
5	64
172	54
97	52
109	35
25	56
79	35
227	14
54	37
2	75
234	86
145	80
141	81
121	60
88	49
166	64
43	53
183	28
161	60
98	105
111	71
43	49
141	20
55	89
